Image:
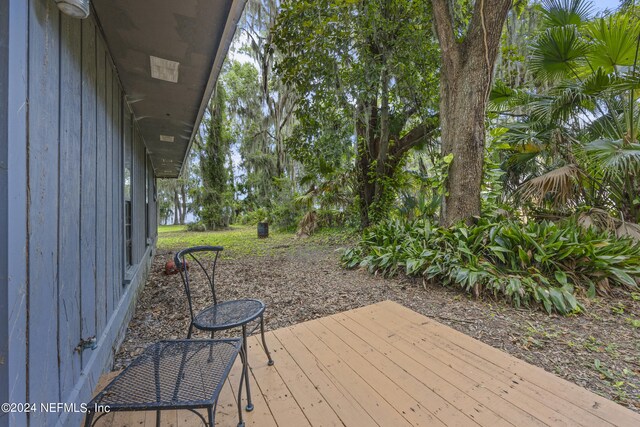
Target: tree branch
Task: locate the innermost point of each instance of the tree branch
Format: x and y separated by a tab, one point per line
413	137
444	29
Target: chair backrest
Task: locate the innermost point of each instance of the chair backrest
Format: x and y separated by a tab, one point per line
198	257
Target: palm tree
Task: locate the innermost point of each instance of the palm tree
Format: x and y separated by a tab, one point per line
573	139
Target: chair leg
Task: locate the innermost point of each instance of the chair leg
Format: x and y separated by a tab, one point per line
88	418
212	417
264	342
190	330
246	368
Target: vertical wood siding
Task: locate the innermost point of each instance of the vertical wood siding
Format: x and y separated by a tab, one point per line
74	269
4	206
69	203
100	169
88	270
44	90
17	93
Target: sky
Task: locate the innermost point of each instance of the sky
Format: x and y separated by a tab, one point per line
600	5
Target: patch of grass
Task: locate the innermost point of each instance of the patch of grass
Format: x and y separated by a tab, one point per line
171	228
635	323
242	240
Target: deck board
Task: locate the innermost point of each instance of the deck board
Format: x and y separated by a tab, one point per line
385	365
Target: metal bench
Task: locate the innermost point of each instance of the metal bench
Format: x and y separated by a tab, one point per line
173	375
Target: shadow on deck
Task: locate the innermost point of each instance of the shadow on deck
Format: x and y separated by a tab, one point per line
385	365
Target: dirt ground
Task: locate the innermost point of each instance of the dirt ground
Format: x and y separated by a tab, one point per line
599	350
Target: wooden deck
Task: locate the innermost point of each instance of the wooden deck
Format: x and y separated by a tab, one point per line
385	365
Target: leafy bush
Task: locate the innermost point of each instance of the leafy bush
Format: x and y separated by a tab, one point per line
285	215
540	262
254	217
196	226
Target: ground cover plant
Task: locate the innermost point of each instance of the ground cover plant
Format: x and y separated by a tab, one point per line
551	264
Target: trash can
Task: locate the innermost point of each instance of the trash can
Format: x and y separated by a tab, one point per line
263	230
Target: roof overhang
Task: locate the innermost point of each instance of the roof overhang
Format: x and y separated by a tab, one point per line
168	54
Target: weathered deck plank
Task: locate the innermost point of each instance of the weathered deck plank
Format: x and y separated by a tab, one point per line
384	365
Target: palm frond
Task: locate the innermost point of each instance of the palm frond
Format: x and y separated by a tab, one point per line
613	41
557	52
597	218
627	81
558	13
522	134
597	83
629	229
559	185
604	126
615	156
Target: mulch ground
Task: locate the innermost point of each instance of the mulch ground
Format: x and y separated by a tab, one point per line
599	350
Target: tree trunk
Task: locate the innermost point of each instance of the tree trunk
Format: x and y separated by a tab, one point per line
365	188
373	149
466	75
462	109
183	192
176	204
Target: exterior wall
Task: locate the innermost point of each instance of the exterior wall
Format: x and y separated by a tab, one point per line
14	225
4	244
62	228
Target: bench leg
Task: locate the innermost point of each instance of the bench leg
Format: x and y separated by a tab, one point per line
246	367
212	416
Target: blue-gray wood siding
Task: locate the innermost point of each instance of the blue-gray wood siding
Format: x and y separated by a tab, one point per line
4	209
62	210
69	202
16	233
43	162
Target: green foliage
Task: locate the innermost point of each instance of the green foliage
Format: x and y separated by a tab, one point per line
423	189
215	198
250	133
363	68
197	226
540	262
255	216
571	139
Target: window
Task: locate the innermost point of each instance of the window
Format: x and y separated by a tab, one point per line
128	191
147	177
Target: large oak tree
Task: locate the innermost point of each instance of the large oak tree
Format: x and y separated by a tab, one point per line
468	58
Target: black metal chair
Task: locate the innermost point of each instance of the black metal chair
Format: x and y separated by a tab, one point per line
221	315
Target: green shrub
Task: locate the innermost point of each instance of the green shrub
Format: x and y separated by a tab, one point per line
254	217
196	226
549	263
286	215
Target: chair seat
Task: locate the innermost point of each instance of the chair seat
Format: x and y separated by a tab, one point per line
228	314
